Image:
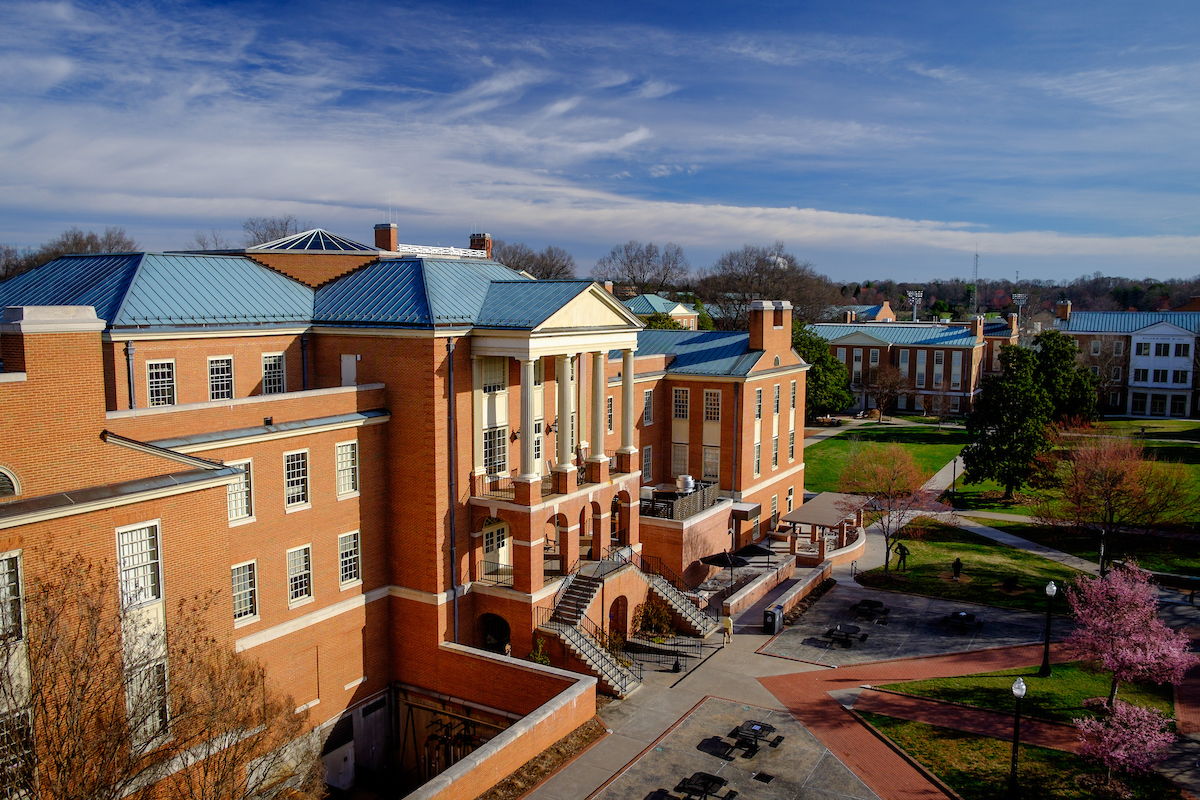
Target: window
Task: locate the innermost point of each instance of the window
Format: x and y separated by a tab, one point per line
137	548
1114	399
1095	370
791	445
1179	376
574	430
295	479
608	413
791	498
939	360
146	702
902	402
648	407
495	450
1095	347
349	558
8	484
904	363
712	406
495	377
774	452
1118	348
1160	376
758	403
299	566
347	467
239	495
220	378
921	368
757	458
874	359
712	463
1158	405
537	438
841	354
856	374
956	360
1142	375
1141	348
1178	405
1183	350
774	511
274	379
647	463
10	599
1162	349
679	459
776	406
16	755
160	378
793	394
1139	403
539	372
680	404
1116	373
245	591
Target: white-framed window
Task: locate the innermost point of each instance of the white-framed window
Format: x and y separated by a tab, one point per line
774	452
791	445
495	449
679	459
647	463
1141	374
1162	350
10	603
1180	376
245	590
939	362
679	404
220	378
1116	373
1095	370
1119	348
921	354
346	456
1141	348
274	374
16	755
1183	350
349	558
1160	376
1114	399
146	701
902	402
793	394
1095	347
537	439
712	463
874	361
160	382
904	363
712	405
240	493
299	567
608	413
856	373
295	479
956	361
1139	403
495	374
648	407
758	403
791	498
574	430
757	458
140	564
774	511
9	485
775	407
539	372
841	355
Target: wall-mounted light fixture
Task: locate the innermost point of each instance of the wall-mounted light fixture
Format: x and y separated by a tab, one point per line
515	435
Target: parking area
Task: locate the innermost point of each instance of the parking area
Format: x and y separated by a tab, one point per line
788	763
841	629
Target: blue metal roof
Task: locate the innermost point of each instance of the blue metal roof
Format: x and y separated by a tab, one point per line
526	304
900	333
317	240
699	352
156	289
646	304
457	289
1126	321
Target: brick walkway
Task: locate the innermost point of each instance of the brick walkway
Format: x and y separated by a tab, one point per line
889	775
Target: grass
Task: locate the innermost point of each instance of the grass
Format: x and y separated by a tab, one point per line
1155	553
933	546
977	767
932	449
1059	697
986	496
1185	429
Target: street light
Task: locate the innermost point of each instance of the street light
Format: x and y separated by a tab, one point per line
1051	590
1018	690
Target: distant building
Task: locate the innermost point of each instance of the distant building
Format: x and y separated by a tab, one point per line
647	305
855	313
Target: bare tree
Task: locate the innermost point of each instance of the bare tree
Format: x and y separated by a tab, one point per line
212	239
260	230
888	475
102	701
69	242
884	385
551	263
764	273
644	266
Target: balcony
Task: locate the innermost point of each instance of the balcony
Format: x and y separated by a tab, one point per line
672	505
496	572
500	487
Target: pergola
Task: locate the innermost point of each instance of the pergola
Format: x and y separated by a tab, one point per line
827	512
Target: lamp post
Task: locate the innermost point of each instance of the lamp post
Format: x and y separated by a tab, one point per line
1051	590
1018	690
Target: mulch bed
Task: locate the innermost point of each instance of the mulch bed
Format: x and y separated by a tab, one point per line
806	603
540	767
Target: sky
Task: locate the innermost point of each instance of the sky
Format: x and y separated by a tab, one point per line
875	139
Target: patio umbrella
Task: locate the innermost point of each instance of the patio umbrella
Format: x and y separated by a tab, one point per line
725	561
754	550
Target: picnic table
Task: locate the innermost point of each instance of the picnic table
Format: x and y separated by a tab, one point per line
702	785
962	620
843	634
870	609
750	733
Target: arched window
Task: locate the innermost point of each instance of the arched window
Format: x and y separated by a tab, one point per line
9	487
777	361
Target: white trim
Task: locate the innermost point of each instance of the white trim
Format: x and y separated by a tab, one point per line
241	622
273	435
311	618
232	379
305	599
50	319
761	484
123	335
174	382
12	476
157	525
355	682
253	516
262	363
13	377
355	492
133	413
307	502
307	706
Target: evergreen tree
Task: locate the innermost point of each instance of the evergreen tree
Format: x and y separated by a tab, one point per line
827	385
704	320
662	322
1071	387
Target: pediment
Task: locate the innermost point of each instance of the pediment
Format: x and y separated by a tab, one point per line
1164	329
594	308
859	338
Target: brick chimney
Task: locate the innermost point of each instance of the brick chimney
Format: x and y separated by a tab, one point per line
770	325
977	328
1063	310
608	287
386	237
482	241
848	316
1012	324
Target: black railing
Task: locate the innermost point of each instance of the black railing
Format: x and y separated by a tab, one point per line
617	669
676	650
684	506
496	572
498	486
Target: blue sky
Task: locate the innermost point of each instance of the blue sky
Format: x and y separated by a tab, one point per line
877	139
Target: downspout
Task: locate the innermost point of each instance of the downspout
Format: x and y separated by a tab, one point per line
304	361
129	369
453	487
737	426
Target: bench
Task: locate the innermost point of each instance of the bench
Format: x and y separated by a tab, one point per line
1186	583
870	609
962	621
844	634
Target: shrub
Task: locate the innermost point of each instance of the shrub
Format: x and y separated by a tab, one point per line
653	617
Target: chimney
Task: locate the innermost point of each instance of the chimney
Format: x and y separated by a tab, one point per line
977	328
482	241
848	316
770	325
1063	310
1012	324
386	237
608	287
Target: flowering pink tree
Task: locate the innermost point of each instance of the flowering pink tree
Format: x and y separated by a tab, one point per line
1130	739
1118	626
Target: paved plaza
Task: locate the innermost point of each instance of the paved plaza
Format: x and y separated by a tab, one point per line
915	627
800	768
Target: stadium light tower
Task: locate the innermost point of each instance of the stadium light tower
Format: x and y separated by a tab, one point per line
914	297
1020	300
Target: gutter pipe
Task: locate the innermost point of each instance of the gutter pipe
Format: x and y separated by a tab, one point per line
453	486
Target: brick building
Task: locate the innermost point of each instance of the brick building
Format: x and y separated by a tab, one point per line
393	464
647	305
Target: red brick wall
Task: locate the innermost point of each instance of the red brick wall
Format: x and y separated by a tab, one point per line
311	269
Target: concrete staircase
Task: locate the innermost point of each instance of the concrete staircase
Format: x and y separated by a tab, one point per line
613	677
696	621
575	601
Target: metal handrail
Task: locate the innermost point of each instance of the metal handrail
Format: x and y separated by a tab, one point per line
581	634
654	566
496	572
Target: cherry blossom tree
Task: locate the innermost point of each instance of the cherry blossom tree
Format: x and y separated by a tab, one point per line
1130	739
890	476
1118	626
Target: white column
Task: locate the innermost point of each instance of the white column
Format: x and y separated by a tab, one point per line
597	410
562	374
527	434
627	412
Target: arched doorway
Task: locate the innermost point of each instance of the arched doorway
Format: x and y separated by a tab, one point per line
494	634
618	617
497	552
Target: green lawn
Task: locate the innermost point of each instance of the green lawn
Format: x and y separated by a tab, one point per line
932	449
1059	697
977	767
986	496
1155	553
1187	429
933	547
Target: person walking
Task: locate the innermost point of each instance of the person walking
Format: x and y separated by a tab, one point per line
957	567
902	552
727	626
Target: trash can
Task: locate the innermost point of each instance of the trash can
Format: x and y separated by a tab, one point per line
773	620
